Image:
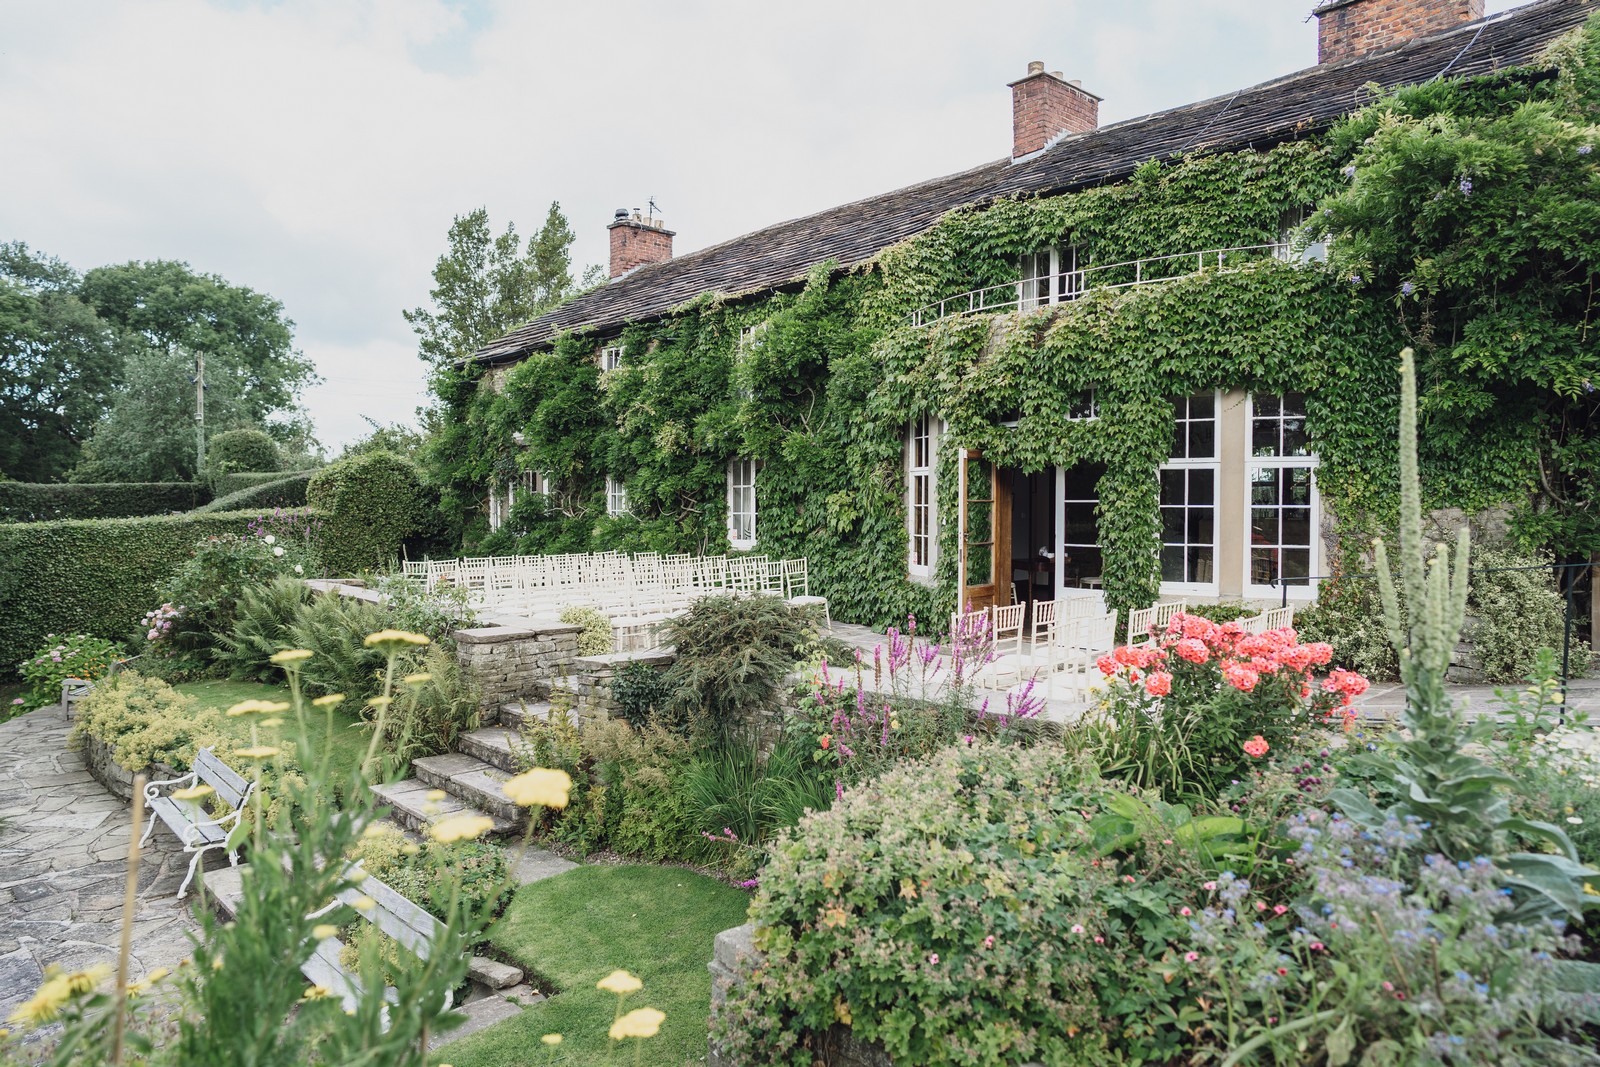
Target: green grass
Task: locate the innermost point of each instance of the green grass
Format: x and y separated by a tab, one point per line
348	741
576	928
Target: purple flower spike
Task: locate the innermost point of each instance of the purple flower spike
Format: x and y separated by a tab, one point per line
1466	187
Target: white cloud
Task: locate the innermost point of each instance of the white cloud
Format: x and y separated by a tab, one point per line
317	150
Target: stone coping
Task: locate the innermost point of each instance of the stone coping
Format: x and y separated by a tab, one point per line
100	761
608	663
530	628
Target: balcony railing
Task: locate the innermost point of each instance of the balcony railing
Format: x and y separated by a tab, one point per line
1025	295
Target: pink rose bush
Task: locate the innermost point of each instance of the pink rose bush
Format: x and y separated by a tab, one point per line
1201	701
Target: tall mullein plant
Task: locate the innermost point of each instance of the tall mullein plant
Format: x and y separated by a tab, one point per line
1458	801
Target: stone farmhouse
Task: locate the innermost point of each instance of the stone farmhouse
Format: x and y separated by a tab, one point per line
1112	364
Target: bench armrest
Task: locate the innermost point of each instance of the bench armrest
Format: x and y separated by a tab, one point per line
152	790
188	832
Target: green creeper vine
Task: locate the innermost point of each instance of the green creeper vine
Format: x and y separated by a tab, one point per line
822	392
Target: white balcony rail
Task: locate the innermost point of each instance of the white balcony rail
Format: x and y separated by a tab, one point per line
1025	294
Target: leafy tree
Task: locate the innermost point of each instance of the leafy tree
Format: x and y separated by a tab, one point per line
395	437
244	334
486	285
58	366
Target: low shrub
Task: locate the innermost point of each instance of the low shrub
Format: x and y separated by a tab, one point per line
373	504
438	705
731	656
640	690
145	721
93	576
437	613
272	490
426	873
1517	611
209	585
1348	615
234	451
71	656
334	628
29	502
227	484
595	637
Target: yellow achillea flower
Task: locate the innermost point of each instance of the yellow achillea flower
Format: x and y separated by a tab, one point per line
45	1004
461	828
396	638
323	931
257	752
363	903
193	792
258	707
291	655
620	983
379	701
640	1022
316	992
539	786
417	679
436	794
329	701
551	1039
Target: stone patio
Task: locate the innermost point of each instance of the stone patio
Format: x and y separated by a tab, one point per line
64	866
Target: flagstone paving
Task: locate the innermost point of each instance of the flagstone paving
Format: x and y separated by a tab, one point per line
64	866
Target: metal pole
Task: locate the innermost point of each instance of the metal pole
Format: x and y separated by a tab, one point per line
199	415
1566	639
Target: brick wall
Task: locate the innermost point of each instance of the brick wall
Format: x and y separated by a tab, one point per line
1044	106
635	242
1350	28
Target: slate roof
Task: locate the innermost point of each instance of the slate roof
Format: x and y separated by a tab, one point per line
1285	108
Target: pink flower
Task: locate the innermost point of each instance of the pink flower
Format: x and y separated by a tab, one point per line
1099	940
933	957
1240	677
1278	909
1317	946
1185	912
1256	747
1349	683
988	942
1158	683
1191	957
1192	649
1077	928
1321	652
1210	887
1107	664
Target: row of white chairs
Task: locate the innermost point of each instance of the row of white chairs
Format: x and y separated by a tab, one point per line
638	593
1064	639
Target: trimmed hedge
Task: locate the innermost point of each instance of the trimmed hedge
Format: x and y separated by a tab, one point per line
35	502
370	504
227	484
281	491
241	450
94	576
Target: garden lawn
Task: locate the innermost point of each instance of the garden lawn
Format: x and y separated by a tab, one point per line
348	741
576	928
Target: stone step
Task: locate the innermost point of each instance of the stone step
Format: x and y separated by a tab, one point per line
481	1014
472	781
493	745
517	713
410	807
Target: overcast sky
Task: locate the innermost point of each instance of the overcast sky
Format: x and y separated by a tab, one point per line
317	149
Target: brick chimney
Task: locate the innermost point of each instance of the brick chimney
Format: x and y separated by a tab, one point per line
637	241
1044	106
1350	28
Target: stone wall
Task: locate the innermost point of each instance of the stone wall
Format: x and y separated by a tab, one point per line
588	686
99	759
516	662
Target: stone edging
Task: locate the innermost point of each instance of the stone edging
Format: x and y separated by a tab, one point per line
99	758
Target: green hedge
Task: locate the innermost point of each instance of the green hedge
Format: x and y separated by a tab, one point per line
371	505
279	491
94	576
241	450
228	484
32	502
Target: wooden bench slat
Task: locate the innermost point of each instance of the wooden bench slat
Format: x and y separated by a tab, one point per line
219	776
181	818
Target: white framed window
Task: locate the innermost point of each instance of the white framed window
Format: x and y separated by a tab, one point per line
1291	246
610	357
742	503
497	507
1282	505
1049	276
922	506
1083	407
1189	498
616	497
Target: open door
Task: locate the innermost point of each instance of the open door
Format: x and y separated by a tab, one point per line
985	535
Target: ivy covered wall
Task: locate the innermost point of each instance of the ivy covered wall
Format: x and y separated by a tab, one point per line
823	392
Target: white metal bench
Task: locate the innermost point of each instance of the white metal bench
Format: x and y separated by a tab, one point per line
190	819
392	913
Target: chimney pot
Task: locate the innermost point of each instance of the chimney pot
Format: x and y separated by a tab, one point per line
1350	28
1045	106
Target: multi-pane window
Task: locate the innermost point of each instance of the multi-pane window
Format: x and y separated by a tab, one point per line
616	497
1080	526
1283	492
610	357
742	503
1189	494
920	504
1083	406
1292	246
1049	276
497	507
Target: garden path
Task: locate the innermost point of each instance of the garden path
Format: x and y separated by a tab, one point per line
64	866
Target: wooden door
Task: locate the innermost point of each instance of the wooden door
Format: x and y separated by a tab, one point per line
985	535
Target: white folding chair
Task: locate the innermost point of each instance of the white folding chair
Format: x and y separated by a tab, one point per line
1009	664
797	588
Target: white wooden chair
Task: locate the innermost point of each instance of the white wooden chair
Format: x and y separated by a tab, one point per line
1278	618
1142	622
1009	664
195	826
1081	641
797	589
